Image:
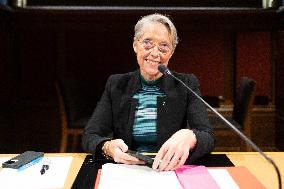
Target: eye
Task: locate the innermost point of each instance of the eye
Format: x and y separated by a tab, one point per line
147	43
164	47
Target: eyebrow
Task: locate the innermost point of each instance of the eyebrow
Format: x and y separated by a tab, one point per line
150	39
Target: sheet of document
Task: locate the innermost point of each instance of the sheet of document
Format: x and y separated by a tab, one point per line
120	176
223	178
31	178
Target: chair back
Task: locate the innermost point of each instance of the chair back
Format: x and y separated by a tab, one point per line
76	101
243	101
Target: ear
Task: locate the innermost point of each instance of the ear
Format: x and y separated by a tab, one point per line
135	45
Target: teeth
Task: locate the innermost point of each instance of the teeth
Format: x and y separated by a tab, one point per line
150	61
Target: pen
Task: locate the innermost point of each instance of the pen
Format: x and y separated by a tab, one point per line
44	167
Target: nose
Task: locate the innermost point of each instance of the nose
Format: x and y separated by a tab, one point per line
155	51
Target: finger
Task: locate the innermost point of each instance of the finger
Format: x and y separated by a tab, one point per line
117	153
120	143
174	161
181	161
114	145
159	157
128	159
136	160
166	160
132	162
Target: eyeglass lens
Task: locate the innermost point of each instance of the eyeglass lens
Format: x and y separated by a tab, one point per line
163	47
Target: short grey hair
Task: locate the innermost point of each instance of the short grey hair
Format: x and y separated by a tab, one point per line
156	18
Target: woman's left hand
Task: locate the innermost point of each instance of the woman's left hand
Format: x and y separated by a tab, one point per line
175	150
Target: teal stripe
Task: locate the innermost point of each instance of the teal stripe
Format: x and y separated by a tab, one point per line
144	129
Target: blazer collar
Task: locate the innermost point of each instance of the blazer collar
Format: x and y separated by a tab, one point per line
167	83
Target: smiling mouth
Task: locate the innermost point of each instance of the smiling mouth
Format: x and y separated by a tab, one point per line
152	62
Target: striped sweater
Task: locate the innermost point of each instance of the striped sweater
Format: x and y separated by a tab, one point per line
144	129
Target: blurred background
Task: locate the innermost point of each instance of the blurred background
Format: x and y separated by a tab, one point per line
87	41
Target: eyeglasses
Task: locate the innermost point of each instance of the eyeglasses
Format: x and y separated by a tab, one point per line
149	44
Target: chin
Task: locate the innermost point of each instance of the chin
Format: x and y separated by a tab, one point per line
152	72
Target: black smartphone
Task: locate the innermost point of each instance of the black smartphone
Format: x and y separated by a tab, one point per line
148	160
22	159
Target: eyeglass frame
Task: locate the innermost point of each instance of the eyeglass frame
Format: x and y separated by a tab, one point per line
142	42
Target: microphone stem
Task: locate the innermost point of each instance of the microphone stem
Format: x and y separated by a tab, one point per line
246	139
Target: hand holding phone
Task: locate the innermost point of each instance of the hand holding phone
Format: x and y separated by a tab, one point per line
148	160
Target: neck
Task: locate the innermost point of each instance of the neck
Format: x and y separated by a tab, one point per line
151	77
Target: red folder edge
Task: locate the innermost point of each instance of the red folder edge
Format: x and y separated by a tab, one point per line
243	177
98	179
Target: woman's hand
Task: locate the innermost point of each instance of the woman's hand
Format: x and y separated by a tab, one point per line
117	150
175	150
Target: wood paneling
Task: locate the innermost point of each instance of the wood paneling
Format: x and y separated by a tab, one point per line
166	3
262	129
254	60
279	99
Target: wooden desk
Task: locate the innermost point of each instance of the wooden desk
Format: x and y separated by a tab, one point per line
257	165
78	159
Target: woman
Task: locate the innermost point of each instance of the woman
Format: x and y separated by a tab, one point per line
148	112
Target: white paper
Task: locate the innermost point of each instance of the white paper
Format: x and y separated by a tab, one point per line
120	176
30	178
223	178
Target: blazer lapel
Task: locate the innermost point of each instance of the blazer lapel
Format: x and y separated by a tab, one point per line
131	104
170	109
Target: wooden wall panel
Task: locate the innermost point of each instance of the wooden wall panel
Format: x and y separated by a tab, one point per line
202	53
279	99
254	59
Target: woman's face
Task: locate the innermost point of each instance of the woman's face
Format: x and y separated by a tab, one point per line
153	48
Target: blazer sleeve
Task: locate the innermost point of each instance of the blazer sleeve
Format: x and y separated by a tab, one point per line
99	126
197	118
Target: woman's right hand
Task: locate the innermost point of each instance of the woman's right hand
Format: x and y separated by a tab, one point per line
117	150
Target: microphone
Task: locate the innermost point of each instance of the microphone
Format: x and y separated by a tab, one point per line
164	70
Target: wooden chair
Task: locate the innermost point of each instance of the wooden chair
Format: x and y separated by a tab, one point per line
241	116
75	108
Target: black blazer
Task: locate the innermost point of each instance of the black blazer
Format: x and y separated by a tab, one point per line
113	117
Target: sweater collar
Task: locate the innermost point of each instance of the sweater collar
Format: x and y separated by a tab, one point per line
166	83
149	83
